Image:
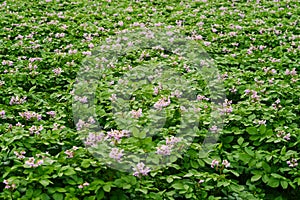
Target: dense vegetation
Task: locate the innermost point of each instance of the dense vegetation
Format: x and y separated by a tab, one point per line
51	145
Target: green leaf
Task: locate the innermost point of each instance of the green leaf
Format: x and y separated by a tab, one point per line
44	197
61	189
178	186
262	129
107	188
283	150
86	163
100	194
70	171
240	141
170	179
236	188
45	182
244	157
29	192
228	139
277	176
144	191
251	130
273	182
249	151
58	196
256	177
284	184
138	134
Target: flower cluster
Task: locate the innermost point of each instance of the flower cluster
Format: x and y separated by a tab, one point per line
17	100
83	99
70	153
32	162
226	107
176	93
141	170
35	129
201	97
260	122
164	150
214	129
56	125
157	89
276	104
57	71
293	72
19	125
292	163
92	139
163	102
83	185
116	153
2	114
172	140
81	124
113	97
283	134
28	115
136	113
268	70
117	135
215	162
9	185
51	113
20	155
167	149
254	94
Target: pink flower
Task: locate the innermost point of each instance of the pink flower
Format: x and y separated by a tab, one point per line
2	114
261	122
93	138
292	163
136	113
19	124
164	150
88	53
176	93
163	102
117	135
214	129
247	91
214	163
287	136
201	181
57	71
141	169
156	90
226	163
113	97
51	113
80	186
206	43
91	45
69	153
116	154
172	140
17	100
86	184
35	129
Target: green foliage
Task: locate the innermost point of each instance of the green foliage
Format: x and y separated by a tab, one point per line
260	137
